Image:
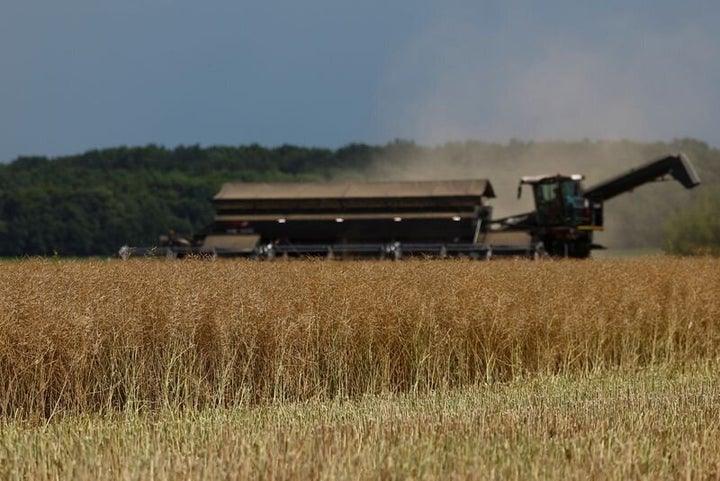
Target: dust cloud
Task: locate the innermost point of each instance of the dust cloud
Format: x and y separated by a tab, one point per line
455	82
631	220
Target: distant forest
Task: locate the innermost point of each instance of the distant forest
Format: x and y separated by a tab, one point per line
92	203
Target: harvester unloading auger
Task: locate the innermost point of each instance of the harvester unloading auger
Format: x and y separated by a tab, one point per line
422	218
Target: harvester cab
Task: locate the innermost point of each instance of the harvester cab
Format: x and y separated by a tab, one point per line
560	201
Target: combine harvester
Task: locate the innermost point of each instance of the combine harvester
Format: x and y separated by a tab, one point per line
399	219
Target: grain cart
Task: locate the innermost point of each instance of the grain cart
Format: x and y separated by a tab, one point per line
354	219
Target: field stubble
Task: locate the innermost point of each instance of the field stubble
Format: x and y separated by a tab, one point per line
652	424
360	369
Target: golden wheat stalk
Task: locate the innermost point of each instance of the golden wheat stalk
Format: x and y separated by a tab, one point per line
93	336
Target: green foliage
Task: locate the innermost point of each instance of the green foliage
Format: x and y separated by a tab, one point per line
91	203
695	230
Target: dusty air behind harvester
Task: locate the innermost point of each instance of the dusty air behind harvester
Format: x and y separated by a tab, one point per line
421	218
566	214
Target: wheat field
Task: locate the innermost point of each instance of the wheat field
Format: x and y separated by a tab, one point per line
409	365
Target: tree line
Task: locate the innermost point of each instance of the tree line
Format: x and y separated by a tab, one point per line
94	202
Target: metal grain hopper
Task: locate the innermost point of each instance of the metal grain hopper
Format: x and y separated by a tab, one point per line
352	219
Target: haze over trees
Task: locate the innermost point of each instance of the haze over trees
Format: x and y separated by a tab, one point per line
92	203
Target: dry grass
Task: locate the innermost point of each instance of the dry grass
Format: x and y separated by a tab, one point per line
97	337
362	370
652	424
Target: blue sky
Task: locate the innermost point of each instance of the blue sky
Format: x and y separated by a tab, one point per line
83	74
